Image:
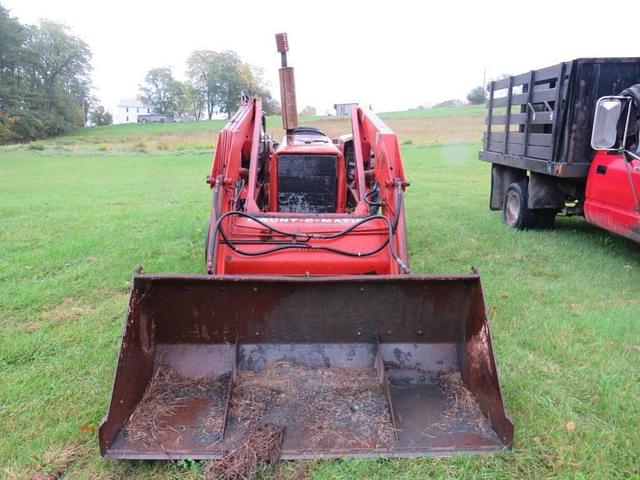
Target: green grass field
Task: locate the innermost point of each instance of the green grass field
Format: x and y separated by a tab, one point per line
77	220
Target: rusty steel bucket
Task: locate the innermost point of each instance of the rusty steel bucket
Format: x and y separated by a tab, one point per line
388	366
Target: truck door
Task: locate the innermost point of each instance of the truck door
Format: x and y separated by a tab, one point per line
612	195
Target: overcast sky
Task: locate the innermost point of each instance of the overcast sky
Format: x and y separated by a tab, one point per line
391	54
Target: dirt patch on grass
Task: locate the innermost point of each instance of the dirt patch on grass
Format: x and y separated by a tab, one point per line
69	309
56	461
66	311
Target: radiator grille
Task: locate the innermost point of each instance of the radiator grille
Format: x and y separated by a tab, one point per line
307	183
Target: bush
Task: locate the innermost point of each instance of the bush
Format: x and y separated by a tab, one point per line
99	117
477	96
308	110
454	102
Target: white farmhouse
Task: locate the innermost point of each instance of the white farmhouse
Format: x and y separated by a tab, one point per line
128	111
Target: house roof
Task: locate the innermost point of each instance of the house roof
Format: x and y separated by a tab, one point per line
132	103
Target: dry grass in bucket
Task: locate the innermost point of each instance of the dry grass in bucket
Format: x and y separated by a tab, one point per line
169	392
344	404
463	404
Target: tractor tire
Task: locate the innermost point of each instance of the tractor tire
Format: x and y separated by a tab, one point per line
515	212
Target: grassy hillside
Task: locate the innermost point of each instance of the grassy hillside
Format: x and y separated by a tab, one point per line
439	112
564	304
434	126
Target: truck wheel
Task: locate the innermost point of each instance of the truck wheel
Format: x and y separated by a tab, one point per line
515	212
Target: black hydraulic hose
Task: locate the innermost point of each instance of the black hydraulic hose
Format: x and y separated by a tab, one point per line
399	207
239	187
216	192
367	195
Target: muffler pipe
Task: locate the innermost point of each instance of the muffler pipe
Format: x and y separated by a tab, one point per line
287	87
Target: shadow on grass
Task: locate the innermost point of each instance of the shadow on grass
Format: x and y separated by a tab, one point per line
592	236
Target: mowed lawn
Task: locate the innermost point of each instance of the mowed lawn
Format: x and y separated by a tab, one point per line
77	218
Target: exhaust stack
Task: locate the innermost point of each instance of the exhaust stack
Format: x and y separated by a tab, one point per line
287	87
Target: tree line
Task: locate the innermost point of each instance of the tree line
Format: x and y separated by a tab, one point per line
216	82
46	90
45	84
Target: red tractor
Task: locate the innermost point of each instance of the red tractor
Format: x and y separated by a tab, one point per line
307	326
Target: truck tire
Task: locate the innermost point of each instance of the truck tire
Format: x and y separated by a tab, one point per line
515	212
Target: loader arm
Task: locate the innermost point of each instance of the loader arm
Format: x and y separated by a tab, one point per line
375	141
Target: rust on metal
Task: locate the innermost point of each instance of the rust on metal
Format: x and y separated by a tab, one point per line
287	87
397	335
382	379
233	379
282	43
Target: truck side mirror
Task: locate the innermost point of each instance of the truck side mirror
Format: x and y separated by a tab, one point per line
606	123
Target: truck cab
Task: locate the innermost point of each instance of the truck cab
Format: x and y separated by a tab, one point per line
612	198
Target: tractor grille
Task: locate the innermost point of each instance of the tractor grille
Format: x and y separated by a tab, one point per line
307	183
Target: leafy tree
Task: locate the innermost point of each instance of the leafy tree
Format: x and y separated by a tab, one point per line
193	100
232	78
308	110
161	91
477	96
257	87
45	87
60	62
222	77
12	39
453	102
270	106
99	116
199	72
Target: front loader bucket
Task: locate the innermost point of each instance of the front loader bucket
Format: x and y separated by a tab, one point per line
388	366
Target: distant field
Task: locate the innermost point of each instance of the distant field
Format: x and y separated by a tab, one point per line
434	126
77	219
439	112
